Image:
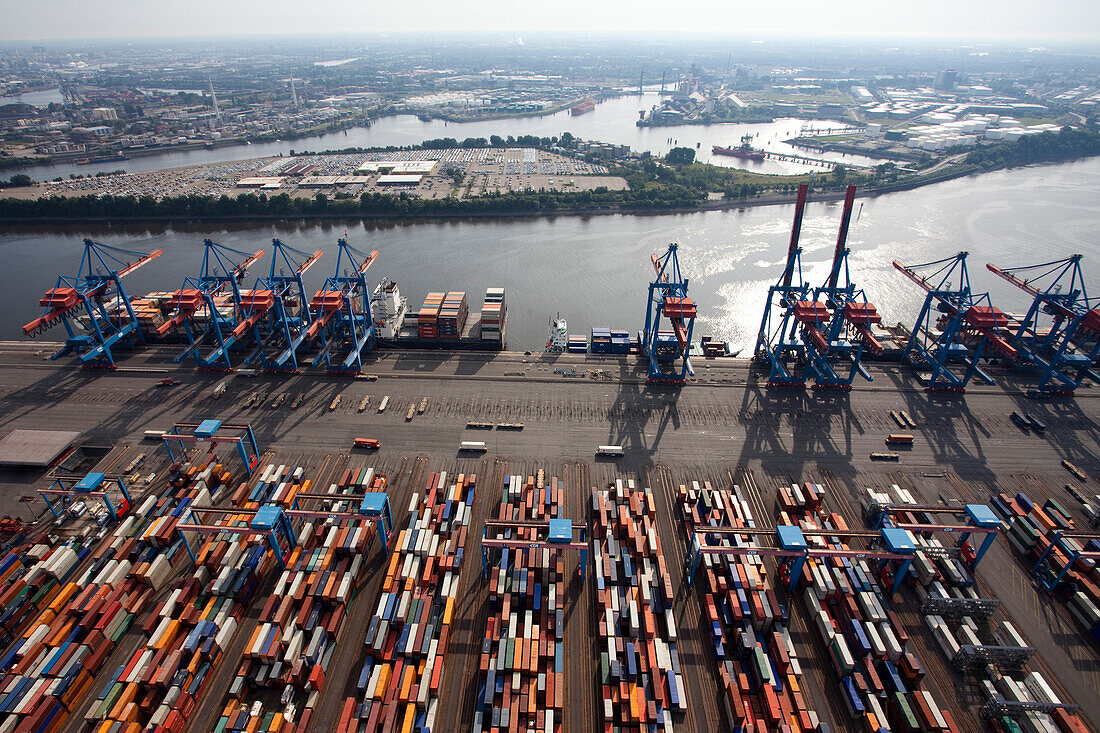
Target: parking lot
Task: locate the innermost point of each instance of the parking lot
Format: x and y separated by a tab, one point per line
458	172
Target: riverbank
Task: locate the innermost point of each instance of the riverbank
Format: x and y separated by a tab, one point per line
766	199
653	190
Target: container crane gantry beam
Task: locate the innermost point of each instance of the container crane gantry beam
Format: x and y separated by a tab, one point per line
97	290
668	298
1059	348
966	320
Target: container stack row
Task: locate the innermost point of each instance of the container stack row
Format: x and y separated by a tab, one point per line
938	578
640	680
494	313
186	633
667	346
427	319
278	684
50	667
406	638
277	485
1032	529
29	581
452	315
576	344
610	341
759	671
712	347
521	683
880	677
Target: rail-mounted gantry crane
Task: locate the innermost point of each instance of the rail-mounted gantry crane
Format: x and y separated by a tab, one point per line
779	343
342	319
1060	336
845	335
93	305
204	305
954	325
668	298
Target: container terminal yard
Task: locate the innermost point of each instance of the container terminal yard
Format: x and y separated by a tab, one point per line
806	540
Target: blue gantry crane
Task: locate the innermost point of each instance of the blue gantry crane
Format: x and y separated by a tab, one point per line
954	326
841	339
668	298
1060	335
271	318
779	343
201	304
93	305
342	318
289	319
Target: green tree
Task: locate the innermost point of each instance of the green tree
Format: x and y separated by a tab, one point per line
840	172
680	156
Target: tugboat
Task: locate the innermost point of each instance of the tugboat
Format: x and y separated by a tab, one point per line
745	151
557	336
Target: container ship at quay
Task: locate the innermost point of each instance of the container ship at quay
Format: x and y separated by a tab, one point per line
445	321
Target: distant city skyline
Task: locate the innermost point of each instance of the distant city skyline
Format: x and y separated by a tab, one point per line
977	20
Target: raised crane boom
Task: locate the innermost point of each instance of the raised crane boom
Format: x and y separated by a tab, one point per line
342	315
70	291
779	343
966	324
836	323
668	298
97	290
1060	335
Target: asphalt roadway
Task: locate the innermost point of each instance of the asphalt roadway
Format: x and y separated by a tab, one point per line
724	425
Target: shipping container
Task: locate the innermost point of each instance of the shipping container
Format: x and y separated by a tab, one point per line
405	644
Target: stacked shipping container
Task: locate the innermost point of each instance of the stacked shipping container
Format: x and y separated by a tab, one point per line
494	313
759	673
938	575
291	646
48	670
880	678
640	667
521	682
29	582
610	341
1032	529
158	686
452	315
427	319
406	638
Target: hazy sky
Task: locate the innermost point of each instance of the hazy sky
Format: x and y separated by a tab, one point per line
1069	20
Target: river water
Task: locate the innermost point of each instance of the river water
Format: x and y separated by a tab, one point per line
595	270
612	121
